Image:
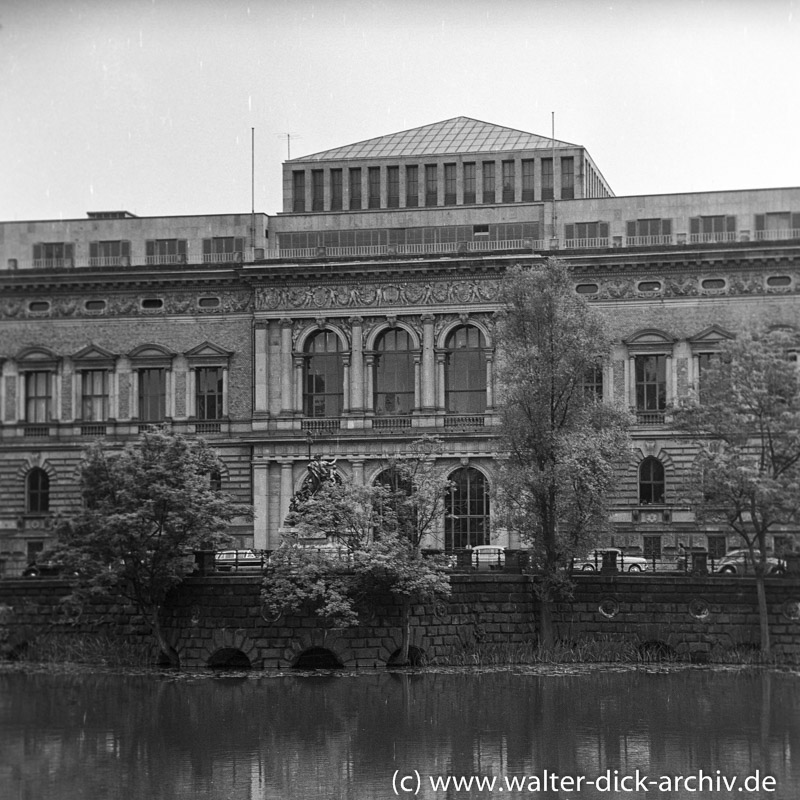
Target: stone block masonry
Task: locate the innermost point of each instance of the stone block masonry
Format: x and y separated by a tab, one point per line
209	616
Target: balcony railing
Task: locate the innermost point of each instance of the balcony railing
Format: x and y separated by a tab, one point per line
222	258
777	235
464	421
576	244
173	259
320	424
647	241
391	423
110	261
718	236
650	417
52	263
94	429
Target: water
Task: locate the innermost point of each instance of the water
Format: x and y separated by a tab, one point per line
101	736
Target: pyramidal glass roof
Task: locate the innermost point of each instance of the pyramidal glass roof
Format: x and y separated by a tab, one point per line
457	135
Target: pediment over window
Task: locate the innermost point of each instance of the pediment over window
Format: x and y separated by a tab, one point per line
94	356
709	337
151	355
208	350
650	340
37	358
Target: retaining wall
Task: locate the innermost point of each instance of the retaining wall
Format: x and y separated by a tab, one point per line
208	617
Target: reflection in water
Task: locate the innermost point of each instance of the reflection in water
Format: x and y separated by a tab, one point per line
82	736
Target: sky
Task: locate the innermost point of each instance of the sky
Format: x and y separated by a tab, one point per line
157	107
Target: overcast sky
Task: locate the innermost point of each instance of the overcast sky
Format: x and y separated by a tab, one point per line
148	105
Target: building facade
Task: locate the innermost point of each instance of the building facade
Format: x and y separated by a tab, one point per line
361	318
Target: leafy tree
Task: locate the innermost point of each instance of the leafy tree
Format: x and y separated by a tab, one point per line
379	530
146	509
561	443
747	423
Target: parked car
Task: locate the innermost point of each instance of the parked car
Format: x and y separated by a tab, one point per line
47	569
739	562
488	556
625	563
238	561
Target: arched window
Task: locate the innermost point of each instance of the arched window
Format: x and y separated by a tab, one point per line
215	480
651	481
37	487
393	379
322	393
467	510
465	371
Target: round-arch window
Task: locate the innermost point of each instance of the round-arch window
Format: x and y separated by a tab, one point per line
651	481
465	371
467	510
322	379
393	373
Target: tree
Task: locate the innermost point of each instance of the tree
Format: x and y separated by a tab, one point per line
379	530
146	509
561	442
746	421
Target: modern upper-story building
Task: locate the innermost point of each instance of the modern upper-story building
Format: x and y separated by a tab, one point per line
360	319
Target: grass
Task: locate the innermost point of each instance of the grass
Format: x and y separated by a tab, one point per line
95	650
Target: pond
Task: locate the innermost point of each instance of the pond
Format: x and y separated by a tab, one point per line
587	732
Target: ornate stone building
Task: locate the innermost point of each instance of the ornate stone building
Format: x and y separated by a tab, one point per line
361	319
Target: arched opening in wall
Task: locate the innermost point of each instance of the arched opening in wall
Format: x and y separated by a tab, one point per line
318	658
323	375
465	371
229	658
416	658
393	373
656	650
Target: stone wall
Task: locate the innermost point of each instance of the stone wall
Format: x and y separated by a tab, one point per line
210	619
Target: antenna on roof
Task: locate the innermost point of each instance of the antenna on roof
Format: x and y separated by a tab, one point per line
253	186
289	137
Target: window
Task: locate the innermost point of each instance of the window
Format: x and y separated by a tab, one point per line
374	184
651	547
469	184
712	229
431	184
587	234
94	395
449	184
37	491
336	190
651	482
412	186
508	181
393	379
651	383
355	188
317	190
223	248
465	371
567	178
208	392
547	179
527	179
215	480
393	187
38	396
165	251
649	231
52	254
323	375
593	383
152	394
466	522
298	190
778	225
717	545
109	254
488	182
400	487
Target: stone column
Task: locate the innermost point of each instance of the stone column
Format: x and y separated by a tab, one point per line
287	399
428	377
369	363
287	490
417	388
261	366
346	379
224	392
358	472
261	537
298	383
670	378
356	388
630	388
489	380
441	383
